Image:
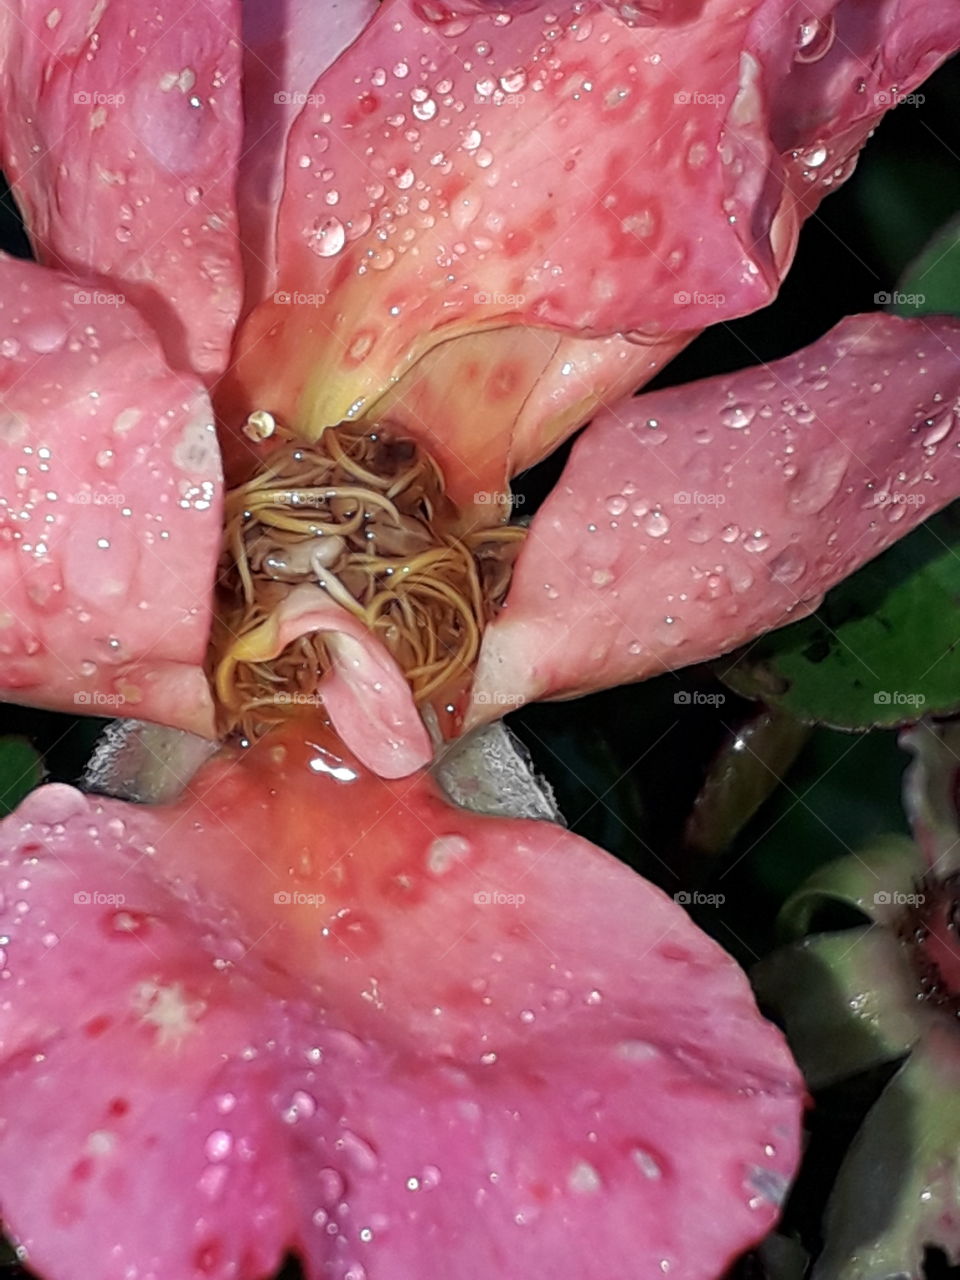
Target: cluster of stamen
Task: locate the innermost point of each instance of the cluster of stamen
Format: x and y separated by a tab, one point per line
364	517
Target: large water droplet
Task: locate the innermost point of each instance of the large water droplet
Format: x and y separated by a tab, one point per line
445	852
788	566
326	237
656	524
738	416
584	1179
218	1146
815	38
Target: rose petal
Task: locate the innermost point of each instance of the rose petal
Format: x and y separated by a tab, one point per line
473	1046
366	695
478	170
120	134
285	48
110	515
692	519
488	405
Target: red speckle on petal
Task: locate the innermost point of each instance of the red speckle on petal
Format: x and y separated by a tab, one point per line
208	1256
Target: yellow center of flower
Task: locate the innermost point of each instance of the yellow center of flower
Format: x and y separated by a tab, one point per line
363	516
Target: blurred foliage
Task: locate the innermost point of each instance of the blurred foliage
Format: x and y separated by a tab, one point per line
21	768
882	648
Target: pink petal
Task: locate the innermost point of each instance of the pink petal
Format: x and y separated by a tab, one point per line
366	695
120	135
336	1015
110	515
472	171
488	405
690	520
285	48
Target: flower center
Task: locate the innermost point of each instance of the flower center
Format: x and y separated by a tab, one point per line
930	929
364	516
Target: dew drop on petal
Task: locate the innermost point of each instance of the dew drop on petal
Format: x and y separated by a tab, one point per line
326	237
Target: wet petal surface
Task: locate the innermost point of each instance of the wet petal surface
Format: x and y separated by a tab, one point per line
110	508
365	693
637	168
306	1008
692	519
285	48
120	135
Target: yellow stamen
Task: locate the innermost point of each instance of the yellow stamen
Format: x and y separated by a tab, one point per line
365	517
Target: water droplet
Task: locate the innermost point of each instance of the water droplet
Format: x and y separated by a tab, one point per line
218	1146
514	80
656	523
938	428
584	1179
616	504
738	416
445	852
326	237
359	1150
756	541
302	1106
815	38
646	1164
788	566
332	1187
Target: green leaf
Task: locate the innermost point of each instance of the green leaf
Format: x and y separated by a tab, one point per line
21	769
848	1001
931	283
897	1191
876	881
884	647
